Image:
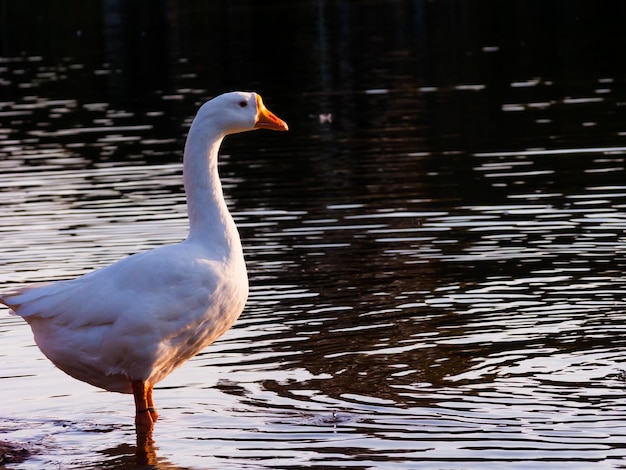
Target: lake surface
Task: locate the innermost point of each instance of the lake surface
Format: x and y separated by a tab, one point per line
436	249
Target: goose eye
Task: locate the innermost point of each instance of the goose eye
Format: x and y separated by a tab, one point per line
243	104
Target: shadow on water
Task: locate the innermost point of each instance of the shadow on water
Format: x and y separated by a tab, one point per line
436	249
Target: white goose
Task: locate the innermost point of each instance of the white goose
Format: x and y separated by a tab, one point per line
125	327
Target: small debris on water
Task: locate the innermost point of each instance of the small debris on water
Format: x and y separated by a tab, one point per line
619	375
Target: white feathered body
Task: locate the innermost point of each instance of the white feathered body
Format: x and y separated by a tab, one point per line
139	318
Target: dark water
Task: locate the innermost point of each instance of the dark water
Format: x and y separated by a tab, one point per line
436	249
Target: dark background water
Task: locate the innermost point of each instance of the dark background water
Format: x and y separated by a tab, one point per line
320	58
436	249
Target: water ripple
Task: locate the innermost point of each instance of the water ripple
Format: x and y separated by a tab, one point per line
422	295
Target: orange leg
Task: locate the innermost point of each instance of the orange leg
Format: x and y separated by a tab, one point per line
143	397
151	407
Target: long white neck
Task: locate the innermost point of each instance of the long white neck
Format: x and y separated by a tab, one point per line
210	222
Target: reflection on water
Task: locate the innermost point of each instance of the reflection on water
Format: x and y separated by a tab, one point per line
436	250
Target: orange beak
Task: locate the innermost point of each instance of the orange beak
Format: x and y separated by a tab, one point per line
265	119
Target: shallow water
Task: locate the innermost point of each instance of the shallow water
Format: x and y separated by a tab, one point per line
436	249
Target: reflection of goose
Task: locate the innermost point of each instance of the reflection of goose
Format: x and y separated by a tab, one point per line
127	326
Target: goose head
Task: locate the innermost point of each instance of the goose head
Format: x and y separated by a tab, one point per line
240	112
